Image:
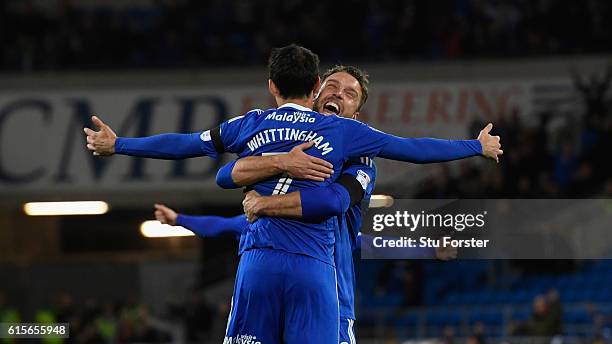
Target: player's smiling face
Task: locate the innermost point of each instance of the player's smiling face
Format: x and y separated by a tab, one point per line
340	94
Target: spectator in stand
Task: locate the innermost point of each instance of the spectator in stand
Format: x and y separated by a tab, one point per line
449	334
555	310
566	161
602	323
543	322
474	339
478	334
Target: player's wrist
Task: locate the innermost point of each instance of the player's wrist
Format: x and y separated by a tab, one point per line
117	144
280	163
177	221
480	146
264	206
112	146
261	207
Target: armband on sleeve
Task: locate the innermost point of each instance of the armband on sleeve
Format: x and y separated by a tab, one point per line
353	187
215	136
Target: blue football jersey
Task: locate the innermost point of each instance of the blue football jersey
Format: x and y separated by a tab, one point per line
275	131
347	234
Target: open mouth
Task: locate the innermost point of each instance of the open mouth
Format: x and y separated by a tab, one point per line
332	107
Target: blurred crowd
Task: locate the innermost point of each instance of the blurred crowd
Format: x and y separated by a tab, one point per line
127	321
194	319
73	34
562	156
545	319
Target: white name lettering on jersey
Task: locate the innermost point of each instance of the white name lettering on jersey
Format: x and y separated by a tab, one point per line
267	136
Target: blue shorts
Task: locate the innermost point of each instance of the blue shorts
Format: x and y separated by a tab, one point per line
281	297
347	331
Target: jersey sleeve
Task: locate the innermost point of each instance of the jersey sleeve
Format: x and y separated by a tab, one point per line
354	185
323	202
227	136
211	143
364	172
224	176
361	139
165	146
364	140
213	226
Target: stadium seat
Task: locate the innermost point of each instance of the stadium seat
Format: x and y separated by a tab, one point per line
487	318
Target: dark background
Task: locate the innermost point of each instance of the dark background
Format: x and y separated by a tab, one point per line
97	272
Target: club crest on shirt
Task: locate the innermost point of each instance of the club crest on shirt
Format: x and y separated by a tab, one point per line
363	179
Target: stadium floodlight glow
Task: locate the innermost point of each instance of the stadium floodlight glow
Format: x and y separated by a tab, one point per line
381	201
65	208
155	229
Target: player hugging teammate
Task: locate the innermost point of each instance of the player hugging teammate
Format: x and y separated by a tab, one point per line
287	284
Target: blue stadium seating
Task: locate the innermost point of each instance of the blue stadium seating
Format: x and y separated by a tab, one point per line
462	284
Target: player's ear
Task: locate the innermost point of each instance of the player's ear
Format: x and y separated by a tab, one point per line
318	90
316	86
315	89
273	89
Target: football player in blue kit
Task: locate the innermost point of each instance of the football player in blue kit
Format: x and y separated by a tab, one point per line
285	287
344	91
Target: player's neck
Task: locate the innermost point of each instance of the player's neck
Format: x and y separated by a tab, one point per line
305	102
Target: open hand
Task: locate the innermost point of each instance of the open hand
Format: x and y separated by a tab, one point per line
165	215
300	165
101	142
491	147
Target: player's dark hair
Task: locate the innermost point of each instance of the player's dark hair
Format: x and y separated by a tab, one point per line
361	76
294	70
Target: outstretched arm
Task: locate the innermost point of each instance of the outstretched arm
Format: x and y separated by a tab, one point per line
429	150
370	142
252	169
166	146
206	226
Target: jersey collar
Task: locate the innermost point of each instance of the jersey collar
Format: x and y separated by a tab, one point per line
295	106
